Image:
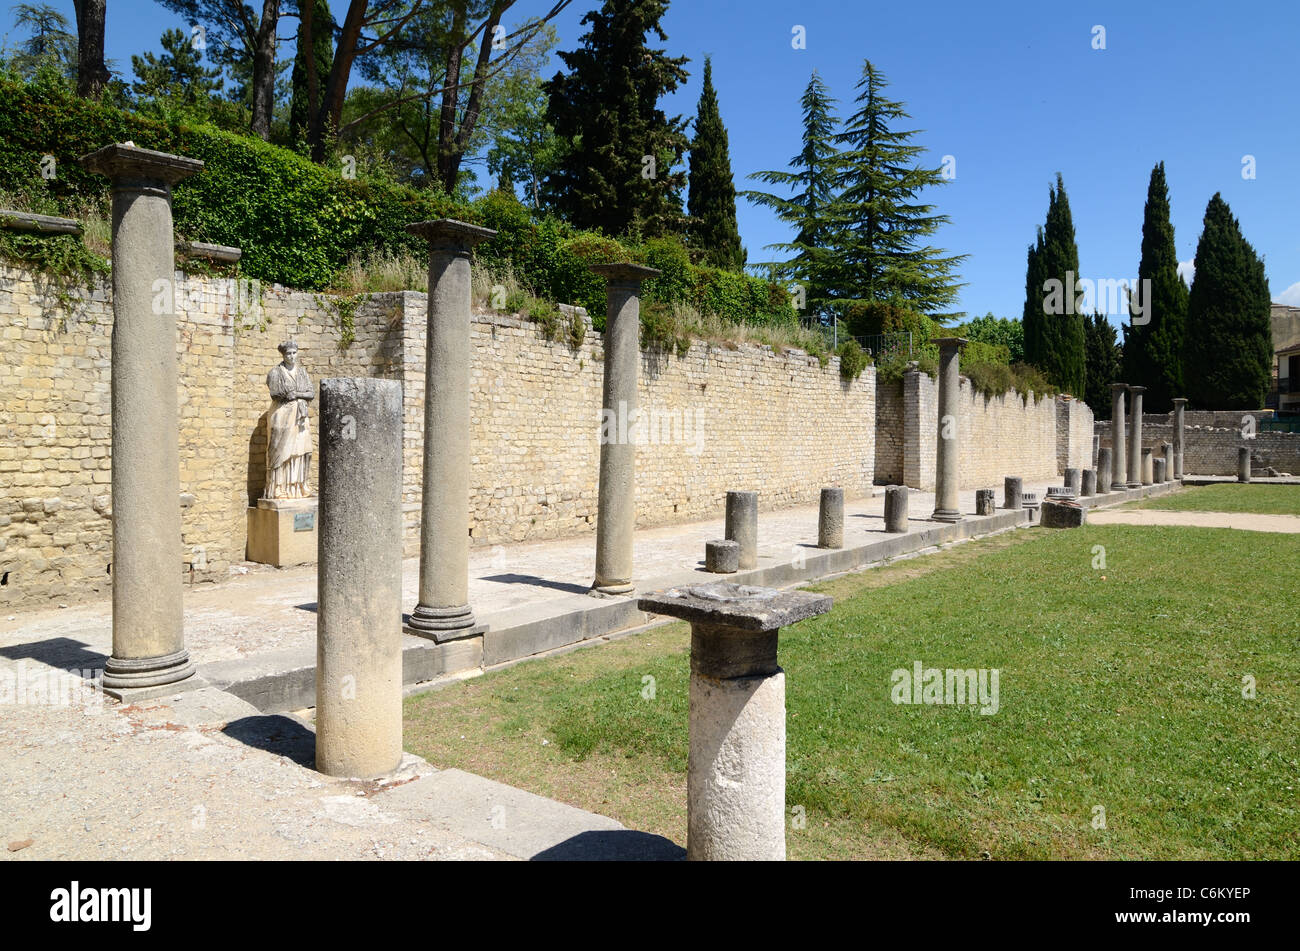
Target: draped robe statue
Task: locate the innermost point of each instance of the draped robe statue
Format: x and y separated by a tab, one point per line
288	436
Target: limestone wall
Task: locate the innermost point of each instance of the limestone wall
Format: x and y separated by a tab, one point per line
780	424
1074	432
1212	450
889	433
999	436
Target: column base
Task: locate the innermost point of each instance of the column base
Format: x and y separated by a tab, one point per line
946	515
443	624
1133	485
612	589
133	673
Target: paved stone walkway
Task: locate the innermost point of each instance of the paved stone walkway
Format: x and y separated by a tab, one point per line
1245	521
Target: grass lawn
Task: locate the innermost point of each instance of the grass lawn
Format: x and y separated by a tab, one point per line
1229	497
1120	687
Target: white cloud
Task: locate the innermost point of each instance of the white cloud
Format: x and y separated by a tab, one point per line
1290	296
1187	270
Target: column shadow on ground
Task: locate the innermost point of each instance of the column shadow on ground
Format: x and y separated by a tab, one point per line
514	578
274	733
613	845
61	652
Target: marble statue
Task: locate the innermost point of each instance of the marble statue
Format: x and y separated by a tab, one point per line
288	437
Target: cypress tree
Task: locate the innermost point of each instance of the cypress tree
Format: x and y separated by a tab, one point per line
880	226
1153	351
1103	362
620	173
1054	332
1228	350
807	211
322	42
711	201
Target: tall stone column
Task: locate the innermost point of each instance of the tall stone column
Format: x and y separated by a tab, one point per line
947	471
1135	438
148	630
1180	404
443	612
359	579
735	774
1119	463
1104	469
616	496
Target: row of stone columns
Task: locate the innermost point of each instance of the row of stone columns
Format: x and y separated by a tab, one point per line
1128	447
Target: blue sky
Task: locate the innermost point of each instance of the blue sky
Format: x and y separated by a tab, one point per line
1015	92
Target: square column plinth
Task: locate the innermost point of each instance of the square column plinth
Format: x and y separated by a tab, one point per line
282	532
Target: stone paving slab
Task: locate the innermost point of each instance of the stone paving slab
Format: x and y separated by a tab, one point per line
206	776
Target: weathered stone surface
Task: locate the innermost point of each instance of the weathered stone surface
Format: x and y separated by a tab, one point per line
1243	464
1062	514
1012	492
1135	469
1073	480
1119	464
1157	471
744	607
442	611
830	519
1180	406
359	599
1170	464
721	556
947	445
288	442
742	525
985	501
616	515
896	508
1148	472
1089	483
1104	469
148	637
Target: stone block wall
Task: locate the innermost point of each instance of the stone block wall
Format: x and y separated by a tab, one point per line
999	436
1212	450
889	433
726	418
1074	432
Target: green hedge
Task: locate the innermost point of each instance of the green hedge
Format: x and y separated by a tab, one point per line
298	223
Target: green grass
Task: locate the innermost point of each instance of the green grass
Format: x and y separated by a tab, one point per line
1120	687
1229	497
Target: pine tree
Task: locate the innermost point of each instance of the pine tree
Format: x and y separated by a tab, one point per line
621	172
807	211
1228	350
711	201
879	223
1153	350
322	42
177	75
1054	332
1103	361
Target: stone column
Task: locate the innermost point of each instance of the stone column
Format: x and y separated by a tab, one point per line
896	508
735	777
616	496
1135	437
1243	464
1179	405
1119	472
148	629
443	612
1096	447
947	471
1147	470
1169	460
1158	470
1013	492
1073	480
742	526
1089	485
359	579
830	519
1103	470
985	501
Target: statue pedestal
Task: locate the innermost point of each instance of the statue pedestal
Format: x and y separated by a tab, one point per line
282	532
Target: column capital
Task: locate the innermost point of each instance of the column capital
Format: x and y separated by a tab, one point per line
1180	401
1119	387
126	160
1137	389
624	272
450	235
950	343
